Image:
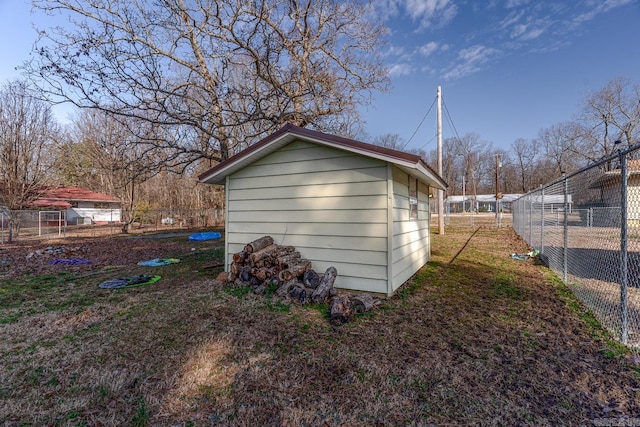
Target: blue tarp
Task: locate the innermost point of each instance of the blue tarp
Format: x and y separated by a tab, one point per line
205	235
157	262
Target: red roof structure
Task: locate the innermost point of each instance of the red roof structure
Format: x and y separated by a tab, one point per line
49	203
60	197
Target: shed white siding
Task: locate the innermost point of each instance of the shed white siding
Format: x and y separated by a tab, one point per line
330	204
410	242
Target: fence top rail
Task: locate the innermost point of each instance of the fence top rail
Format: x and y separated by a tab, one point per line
597	163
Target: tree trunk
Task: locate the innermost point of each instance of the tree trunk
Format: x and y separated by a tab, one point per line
321	293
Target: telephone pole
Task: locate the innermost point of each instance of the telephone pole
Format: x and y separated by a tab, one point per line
439	137
498	166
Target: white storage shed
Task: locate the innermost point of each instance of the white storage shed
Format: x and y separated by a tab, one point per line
358	207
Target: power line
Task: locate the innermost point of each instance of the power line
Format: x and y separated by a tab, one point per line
425	144
450	120
420	124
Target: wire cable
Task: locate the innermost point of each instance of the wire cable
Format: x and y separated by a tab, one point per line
425	144
419	125
450	120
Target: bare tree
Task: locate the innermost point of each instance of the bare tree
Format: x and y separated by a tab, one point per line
215	76
525	155
561	146
610	114
113	160
472	150
27	133
389	140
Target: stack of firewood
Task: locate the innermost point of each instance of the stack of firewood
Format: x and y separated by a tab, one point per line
263	265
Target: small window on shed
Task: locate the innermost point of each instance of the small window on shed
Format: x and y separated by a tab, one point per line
413	198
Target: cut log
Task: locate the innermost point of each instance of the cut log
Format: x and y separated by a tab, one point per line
321	293
239	257
311	279
341	310
254	282
234	268
283	290
262	253
298	293
270	253
245	274
363	303
287	260
295	270
258	244
262	273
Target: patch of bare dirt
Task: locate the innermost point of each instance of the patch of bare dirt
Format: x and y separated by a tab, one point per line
91	253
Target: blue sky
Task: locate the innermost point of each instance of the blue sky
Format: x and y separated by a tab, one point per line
507	68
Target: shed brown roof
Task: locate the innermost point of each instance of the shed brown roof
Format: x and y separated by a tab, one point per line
236	161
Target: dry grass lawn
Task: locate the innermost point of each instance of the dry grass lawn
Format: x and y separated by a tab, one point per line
475	338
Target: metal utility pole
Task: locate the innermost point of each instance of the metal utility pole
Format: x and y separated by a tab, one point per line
439	138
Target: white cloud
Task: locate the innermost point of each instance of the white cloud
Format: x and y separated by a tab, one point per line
471	60
398	70
598	7
511	19
431	13
429	48
394	51
530	31
515	3
388	7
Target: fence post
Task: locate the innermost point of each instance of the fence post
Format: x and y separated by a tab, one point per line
566	230
542	221
531	221
624	256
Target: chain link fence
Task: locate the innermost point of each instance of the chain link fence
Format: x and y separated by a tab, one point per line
470	213
57	224
586	226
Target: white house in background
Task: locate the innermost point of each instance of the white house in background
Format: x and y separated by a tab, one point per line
81	205
608	185
358	207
